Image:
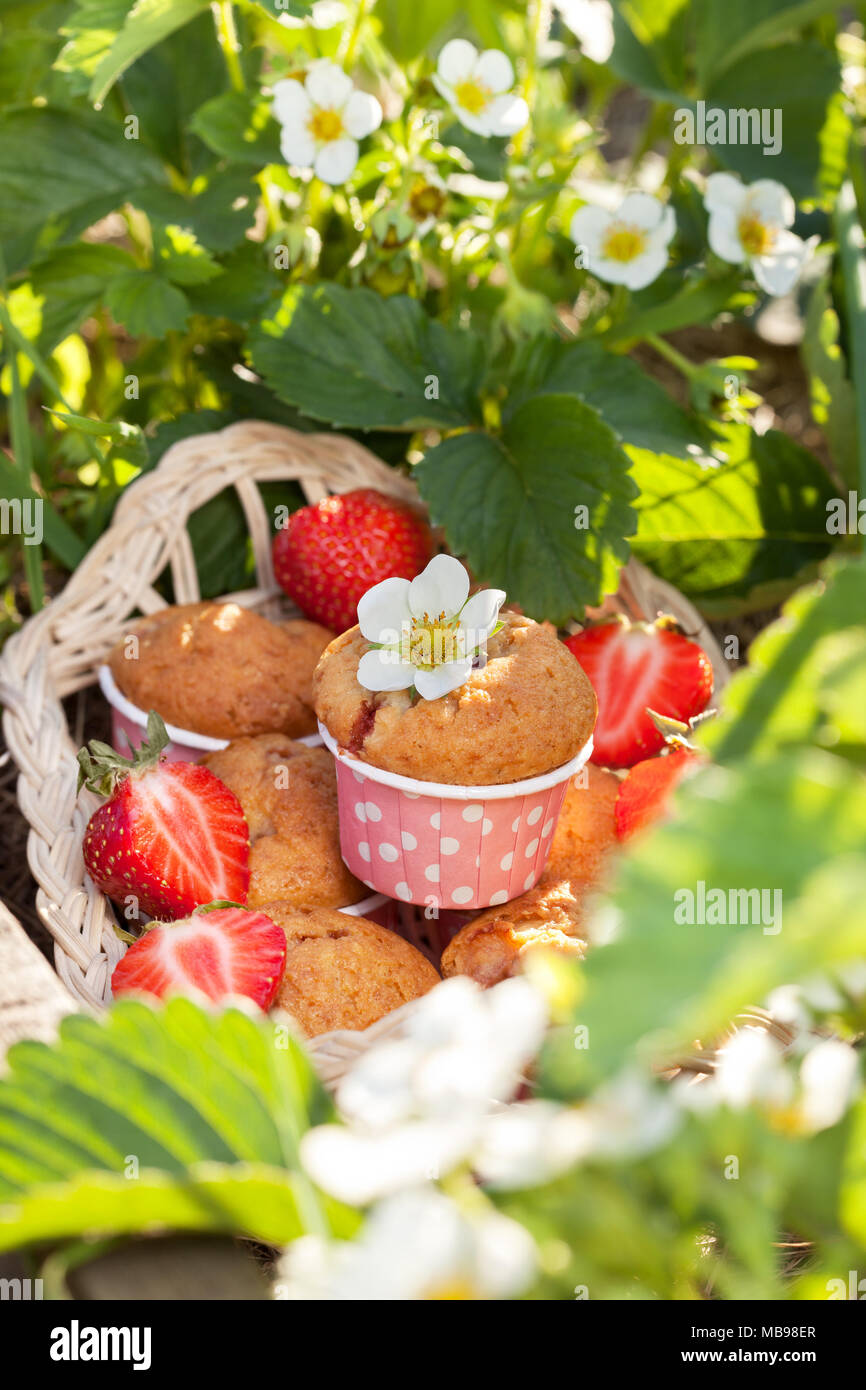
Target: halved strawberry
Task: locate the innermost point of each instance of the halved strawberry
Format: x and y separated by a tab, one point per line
171	835
637	667
228	950
645	789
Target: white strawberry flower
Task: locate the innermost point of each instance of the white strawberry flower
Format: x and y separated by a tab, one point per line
426	633
416	1245
629	246
750	224
322	120
478	88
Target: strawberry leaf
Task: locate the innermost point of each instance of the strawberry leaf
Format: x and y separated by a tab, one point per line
540	510
174	1115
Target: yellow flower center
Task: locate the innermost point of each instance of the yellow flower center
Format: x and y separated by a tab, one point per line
755	236
472	95
426	200
624	243
325	125
456	1290
431	642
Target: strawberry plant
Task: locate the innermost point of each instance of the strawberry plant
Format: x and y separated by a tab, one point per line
410	227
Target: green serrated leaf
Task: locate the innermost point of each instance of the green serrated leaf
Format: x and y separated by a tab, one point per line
146	25
513	504
239	127
147	304
358	360
172	1115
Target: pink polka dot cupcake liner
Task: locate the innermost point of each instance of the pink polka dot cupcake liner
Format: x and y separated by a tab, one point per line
128	721
443	846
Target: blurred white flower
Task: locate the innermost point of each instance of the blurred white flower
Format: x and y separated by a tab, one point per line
415	1245
477	87
322	120
324	14
828	1076
749	223
627	247
426	632
417	1106
591	22
528	1144
751	1068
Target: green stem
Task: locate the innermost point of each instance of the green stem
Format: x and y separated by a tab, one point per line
19	433
853	261
539	24
349	43
670	354
224	19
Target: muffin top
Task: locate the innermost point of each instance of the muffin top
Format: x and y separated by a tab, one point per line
526	711
494	944
289	796
342	971
218	669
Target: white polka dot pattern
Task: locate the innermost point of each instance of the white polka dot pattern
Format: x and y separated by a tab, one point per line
477	853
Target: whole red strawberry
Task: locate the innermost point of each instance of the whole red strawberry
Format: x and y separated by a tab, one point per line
644	791
635	667
327	556
220	952
171	835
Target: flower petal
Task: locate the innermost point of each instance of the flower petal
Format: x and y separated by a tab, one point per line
723	236
443	587
291	104
335	162
327	85
779	271
507	114
724	191
383	670
494	69
480	613
645	268
641	210
362	114
771	202
588	228
384	608
298	146
456	60
431	685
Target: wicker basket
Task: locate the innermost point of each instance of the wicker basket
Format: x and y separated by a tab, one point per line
58	651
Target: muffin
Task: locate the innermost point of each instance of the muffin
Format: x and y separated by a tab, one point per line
289	796
220	670
494	944
344	972
528	710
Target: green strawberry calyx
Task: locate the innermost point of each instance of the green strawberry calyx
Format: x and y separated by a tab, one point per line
101	767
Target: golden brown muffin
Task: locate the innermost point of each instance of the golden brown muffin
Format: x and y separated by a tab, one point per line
344	972
289	796
494	944
527	711
218	669
585	833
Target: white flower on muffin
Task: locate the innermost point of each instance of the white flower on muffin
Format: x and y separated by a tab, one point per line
322	120
426	633
627	247
477	87
751	223
416	1245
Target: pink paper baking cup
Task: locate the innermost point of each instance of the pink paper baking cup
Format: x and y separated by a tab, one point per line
443	846
185	746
